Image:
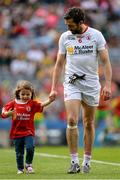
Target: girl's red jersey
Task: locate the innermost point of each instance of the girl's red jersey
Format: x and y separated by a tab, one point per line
23	118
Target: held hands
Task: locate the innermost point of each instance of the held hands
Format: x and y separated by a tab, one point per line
53	95
51	98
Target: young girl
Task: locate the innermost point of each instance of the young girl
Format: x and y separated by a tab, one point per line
22	109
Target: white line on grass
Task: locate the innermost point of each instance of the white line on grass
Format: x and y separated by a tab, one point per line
67	157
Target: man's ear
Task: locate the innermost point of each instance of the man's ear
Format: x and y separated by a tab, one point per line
81	22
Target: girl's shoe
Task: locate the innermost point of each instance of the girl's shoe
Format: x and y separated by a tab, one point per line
20	171
29	169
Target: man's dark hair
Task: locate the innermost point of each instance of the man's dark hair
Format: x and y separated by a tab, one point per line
76	14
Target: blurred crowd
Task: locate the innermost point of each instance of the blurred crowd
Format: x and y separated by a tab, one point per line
29	33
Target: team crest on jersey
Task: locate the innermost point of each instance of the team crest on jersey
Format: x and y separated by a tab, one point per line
80	40
88	37
80	37
28	108
71	37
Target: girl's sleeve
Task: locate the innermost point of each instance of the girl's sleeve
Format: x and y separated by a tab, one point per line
38	107
8	106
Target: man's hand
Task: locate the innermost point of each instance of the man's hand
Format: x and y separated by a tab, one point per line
106	93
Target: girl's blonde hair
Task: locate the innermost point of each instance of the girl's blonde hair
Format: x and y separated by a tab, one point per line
23	84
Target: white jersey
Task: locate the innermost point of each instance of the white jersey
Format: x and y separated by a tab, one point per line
81	52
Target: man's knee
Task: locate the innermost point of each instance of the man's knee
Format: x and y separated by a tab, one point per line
72	121
89	125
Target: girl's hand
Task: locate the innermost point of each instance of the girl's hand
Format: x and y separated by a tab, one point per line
10	112
47	102
51	99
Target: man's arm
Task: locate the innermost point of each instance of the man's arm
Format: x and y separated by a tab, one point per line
56	74
104	57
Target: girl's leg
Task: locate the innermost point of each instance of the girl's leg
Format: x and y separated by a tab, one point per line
19	149
30	145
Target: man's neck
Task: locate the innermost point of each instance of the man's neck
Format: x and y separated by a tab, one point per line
84	28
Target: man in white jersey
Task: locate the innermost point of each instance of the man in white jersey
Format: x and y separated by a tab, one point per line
79	48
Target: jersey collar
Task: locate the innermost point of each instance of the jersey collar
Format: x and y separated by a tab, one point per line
20	102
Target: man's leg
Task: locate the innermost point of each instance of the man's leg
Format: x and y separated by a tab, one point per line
73	110
89	132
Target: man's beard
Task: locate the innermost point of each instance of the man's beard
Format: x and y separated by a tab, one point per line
77	31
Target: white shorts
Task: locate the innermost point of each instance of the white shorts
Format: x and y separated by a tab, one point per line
83	90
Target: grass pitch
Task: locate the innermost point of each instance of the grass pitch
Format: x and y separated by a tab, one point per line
53	162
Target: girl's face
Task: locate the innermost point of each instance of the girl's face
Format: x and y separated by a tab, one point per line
25	95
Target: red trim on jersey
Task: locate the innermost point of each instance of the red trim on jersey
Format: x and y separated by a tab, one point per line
86	28
79	35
